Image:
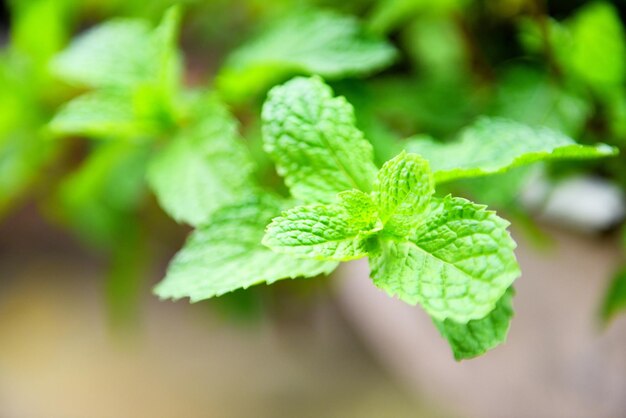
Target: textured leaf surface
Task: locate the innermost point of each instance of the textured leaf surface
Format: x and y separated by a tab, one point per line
404	189
312	137
227	255
479	335
324	232
494	145
323	43
206	167
458	265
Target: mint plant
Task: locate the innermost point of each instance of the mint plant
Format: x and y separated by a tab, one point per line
453	257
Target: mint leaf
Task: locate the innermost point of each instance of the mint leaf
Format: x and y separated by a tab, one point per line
39	30
615	297
404	189
116	53
494	145
479	335
165	38
204	168
122	53
457	265
325	232
362	209
312	137
226	254
101	113
598	24
315	42
102	197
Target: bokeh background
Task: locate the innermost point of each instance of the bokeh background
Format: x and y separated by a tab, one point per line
82	335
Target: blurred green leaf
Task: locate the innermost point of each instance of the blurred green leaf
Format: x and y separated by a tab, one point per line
529	96
598	53
105	113
24	147
312	42
205	167
122	53
39	30
615	297
100	198
388	15
494	145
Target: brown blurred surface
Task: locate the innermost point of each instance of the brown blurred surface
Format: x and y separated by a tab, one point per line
60	359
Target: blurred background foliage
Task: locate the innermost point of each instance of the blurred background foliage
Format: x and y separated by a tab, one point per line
558	63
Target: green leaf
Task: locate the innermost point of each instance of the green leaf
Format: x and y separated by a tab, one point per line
325	232
598	24
39	30
362	209
478	336
102	113
615	297
313	42
169	59
116	53
24	148
494	145
404	189
457	266
122	53
204	168
227	254
388	15
527	95
102	197
312	137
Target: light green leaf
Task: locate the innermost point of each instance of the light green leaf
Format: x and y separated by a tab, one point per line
457	266
101	113
479	335
165	39
312	137
598	52
39	30
615	297
494	145
404	189
313	42
530	96
24	148
325	232
116	53
122	53
362	209
204	168
388	15
227	254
